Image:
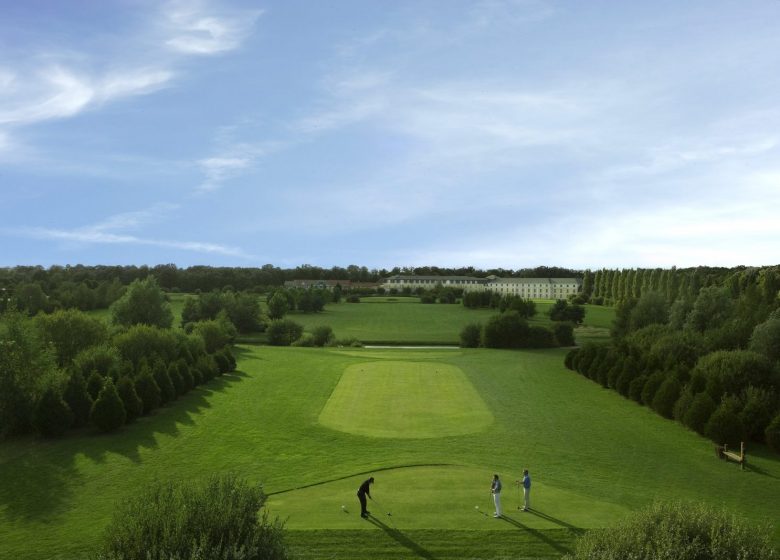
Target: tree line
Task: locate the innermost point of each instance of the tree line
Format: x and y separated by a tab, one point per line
611	286
709	358
67	369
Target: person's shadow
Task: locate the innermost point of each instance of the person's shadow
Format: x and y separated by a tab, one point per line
537	534
578	530
400	538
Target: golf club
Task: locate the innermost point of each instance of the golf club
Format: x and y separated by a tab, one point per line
380	507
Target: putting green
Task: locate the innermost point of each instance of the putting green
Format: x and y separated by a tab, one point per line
400	399
439	497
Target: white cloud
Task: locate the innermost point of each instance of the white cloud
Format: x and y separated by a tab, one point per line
132	220
197	31
91	236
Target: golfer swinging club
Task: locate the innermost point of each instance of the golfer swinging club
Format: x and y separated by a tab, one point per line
495	489
363	491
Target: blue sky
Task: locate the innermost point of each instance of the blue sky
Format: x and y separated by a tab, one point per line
390	133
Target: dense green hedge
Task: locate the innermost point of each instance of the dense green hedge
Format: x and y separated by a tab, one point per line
179	520
676	531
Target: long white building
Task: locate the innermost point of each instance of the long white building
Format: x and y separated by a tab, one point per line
529	288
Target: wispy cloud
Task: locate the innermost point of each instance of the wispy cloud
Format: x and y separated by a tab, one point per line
58	92
100	237
49	85
197	31
133	219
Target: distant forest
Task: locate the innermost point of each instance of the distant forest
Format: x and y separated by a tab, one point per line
36	288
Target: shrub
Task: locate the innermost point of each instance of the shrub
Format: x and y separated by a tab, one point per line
133	404
508	330
160	374
699	412
216	334
143	303
676	531
78	399
208	367
305	341
732	371
143	341
283	332
176	380
52	417
97	358
471	335
185	374
766	339
108	411
682	405
352	298
223	364
635	388
216	519
540	337
623	383
772	434
94	384
71	331
757	411
666	397
571	355
146	388
652	385
322	335
564	333
725	425
614	372
231	358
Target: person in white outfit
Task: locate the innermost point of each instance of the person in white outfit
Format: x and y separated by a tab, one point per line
495	489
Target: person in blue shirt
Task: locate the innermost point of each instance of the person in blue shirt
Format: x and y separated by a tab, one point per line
526	490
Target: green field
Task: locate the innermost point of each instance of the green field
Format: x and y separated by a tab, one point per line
593	456
406	322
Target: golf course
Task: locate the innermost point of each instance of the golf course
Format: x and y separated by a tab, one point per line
431	425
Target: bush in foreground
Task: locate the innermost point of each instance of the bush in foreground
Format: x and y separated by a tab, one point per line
676	532
217	519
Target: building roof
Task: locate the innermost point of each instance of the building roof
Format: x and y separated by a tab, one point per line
536	281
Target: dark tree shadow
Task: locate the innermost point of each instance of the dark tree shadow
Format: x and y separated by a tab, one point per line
401	539
537	534
38	477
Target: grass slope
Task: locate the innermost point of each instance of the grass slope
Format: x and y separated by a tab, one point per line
593	456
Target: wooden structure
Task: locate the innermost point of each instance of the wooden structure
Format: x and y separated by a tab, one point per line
722	451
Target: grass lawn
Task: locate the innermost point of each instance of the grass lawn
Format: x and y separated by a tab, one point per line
593	457
406	322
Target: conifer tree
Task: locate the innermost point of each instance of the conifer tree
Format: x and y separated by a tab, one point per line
78	399
134	406
52	416
167	391
94	384
146	388
108	411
